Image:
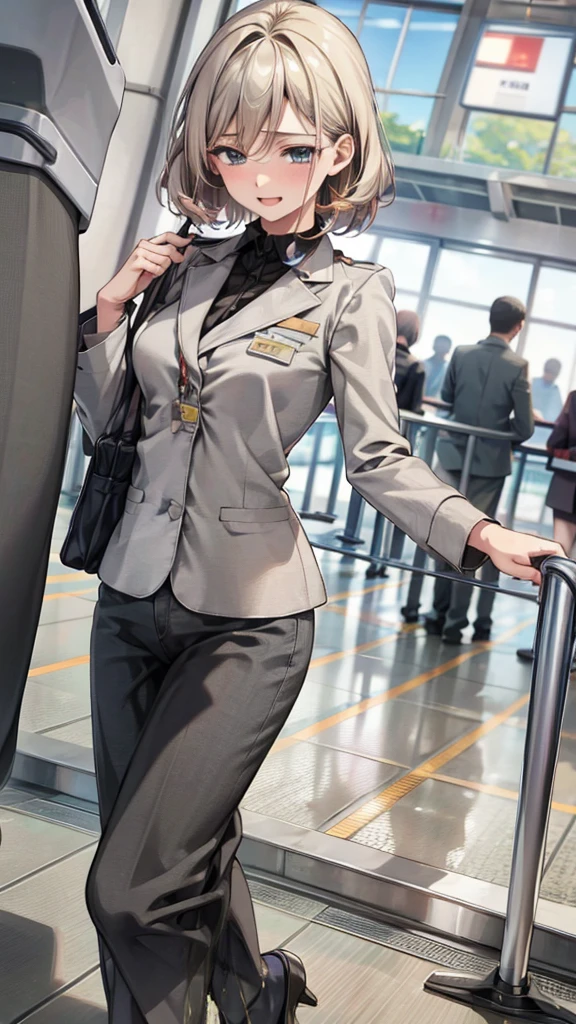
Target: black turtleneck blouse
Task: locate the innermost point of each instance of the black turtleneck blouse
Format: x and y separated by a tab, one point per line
261	260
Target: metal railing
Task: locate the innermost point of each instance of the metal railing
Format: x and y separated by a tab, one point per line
509	990
387	541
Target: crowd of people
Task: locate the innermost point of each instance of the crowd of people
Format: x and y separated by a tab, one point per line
487	384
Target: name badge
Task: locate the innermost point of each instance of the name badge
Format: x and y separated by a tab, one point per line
189	413
295	323
183	413
270	348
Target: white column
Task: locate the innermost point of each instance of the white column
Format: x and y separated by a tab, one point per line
157	45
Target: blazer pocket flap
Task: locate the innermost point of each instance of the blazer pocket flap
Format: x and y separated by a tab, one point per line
255	515
134	494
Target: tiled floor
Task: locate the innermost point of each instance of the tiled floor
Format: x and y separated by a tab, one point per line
380	701
359	969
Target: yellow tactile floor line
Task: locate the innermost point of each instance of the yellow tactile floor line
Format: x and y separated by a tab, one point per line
507	794
69	593
70	577
390	585
381	803
392	794
371	617
57	665
396	691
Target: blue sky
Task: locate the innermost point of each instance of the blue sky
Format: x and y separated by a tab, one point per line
423	56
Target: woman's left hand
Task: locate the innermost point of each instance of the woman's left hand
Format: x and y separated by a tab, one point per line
510	551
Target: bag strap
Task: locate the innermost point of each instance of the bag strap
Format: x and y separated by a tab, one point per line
153	296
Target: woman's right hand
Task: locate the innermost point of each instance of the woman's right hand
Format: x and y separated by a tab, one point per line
149	260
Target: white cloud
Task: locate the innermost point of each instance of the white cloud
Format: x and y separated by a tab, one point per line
432	26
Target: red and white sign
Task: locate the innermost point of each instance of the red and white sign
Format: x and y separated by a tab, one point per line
518	72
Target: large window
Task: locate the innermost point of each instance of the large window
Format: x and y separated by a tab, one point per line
408	262
463	288
406	48
552	329
525	143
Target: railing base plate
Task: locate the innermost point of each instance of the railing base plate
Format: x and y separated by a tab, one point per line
322	517
491	994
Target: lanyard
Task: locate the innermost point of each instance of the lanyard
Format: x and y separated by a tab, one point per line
183	377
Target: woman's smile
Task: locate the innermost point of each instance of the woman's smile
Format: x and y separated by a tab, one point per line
270	202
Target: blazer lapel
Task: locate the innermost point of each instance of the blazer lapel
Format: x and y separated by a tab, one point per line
288	296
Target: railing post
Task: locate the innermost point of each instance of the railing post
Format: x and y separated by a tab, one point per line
336	477
354	519
467	464
375	569
429	444
306	500
515	489
411	609
509	990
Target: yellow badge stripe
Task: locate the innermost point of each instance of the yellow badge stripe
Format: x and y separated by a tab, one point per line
189	413
294	323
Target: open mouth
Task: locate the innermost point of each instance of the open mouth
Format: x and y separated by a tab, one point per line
271	202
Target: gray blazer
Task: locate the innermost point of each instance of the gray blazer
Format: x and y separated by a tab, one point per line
207	505
487	386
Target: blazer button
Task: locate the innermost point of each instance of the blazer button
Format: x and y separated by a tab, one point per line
175	510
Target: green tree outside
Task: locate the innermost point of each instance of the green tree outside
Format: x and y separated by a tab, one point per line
497	140
563	161
401	136
519	143
516	142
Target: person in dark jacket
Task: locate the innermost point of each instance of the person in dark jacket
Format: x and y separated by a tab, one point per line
561	497
487	386
410	373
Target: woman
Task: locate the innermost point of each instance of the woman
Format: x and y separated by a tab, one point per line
562	492
204	625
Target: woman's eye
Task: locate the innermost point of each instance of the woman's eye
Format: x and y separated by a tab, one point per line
299	154
229	156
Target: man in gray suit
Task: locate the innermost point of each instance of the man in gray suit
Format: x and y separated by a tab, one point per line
487	386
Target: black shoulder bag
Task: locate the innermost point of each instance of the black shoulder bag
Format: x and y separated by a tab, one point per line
101	501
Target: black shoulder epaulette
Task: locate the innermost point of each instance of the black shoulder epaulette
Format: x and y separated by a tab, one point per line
339	257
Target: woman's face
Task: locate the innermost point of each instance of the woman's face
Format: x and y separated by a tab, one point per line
284	181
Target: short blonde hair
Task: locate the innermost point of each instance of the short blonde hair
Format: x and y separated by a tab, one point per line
268	52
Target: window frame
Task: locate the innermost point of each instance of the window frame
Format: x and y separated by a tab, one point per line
562	109
438	244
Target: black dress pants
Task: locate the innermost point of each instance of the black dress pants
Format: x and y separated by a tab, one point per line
452	599
185	708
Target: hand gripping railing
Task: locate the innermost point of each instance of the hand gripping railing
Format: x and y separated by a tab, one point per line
509	990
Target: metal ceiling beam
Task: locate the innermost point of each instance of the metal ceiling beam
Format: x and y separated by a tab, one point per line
500	199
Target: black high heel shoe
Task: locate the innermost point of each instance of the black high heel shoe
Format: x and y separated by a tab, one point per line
296	990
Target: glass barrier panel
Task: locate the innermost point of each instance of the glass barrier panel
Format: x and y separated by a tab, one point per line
464	325
480	279
407	261
555	291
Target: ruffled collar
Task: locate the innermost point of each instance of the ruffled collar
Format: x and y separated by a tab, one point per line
289	249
